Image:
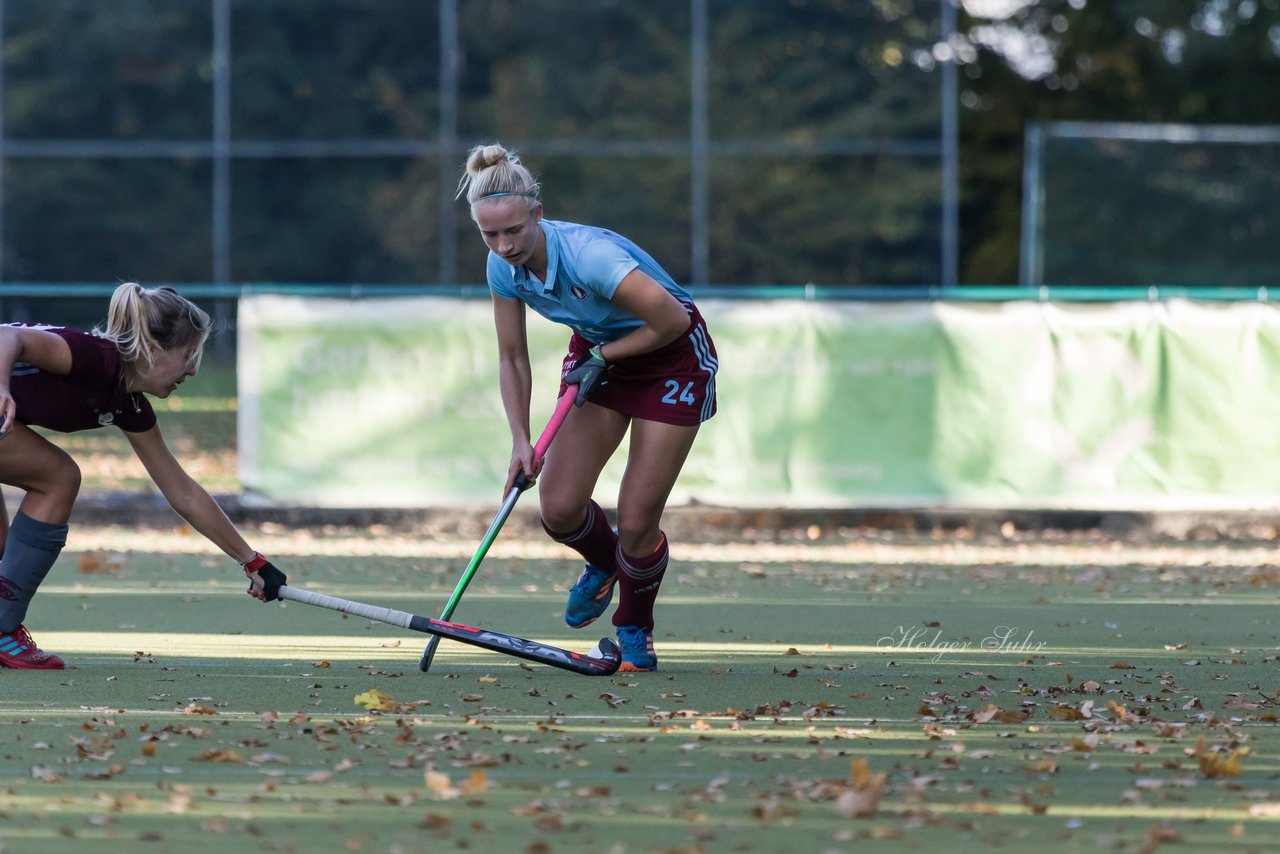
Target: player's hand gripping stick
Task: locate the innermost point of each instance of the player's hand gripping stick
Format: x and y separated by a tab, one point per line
588	374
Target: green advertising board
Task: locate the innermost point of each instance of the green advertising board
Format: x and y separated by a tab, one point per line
1133	405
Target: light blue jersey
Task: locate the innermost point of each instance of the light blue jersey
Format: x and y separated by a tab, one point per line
585	265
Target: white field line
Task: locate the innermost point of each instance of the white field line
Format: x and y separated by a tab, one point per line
357	647
955	553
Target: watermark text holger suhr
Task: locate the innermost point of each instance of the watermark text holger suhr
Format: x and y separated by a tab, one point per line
1003	639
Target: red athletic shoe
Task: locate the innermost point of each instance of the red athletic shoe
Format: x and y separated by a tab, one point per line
19	651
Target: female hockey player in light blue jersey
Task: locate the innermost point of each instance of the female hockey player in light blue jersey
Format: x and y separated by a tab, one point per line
641	359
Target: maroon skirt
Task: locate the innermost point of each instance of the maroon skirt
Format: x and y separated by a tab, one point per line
675	384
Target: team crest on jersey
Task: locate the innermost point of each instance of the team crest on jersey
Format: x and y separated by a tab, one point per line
578	291
106	419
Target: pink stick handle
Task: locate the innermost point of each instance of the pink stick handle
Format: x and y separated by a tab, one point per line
563	405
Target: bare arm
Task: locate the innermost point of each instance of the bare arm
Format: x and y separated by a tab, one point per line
43	349
192	502
665	319
189	499
515	381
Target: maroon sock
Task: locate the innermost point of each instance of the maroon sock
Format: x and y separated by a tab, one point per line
638	583
594	540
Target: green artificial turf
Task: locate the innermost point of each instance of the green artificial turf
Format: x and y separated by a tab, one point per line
1030	702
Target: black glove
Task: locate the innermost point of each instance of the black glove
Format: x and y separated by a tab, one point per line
588	374
272	580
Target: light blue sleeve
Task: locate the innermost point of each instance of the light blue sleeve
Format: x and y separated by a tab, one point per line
498	273
602	265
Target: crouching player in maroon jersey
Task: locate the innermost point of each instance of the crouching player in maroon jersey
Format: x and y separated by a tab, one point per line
641	359
65	380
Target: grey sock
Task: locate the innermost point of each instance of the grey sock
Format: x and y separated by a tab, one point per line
29	554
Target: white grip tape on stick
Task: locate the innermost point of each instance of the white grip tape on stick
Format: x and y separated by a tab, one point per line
333	603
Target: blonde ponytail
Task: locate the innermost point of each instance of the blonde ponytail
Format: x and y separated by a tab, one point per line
144	322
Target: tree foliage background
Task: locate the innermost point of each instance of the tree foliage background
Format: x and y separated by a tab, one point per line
1163	61
823	118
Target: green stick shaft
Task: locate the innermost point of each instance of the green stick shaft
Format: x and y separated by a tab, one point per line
492	534
563	405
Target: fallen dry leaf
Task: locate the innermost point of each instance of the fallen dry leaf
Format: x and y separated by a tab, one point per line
439	784
862	798
614	700
213	754
476	784
1214	764
101	563
1158	836
990	712
375	700
45	775
435	821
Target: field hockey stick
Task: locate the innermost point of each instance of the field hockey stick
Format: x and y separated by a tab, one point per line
601	661
521	483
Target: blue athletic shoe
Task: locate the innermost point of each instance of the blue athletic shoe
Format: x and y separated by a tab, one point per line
637	650
589	597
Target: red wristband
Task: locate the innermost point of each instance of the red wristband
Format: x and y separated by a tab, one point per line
254	563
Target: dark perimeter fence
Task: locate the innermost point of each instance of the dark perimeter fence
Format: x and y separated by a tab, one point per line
296	141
